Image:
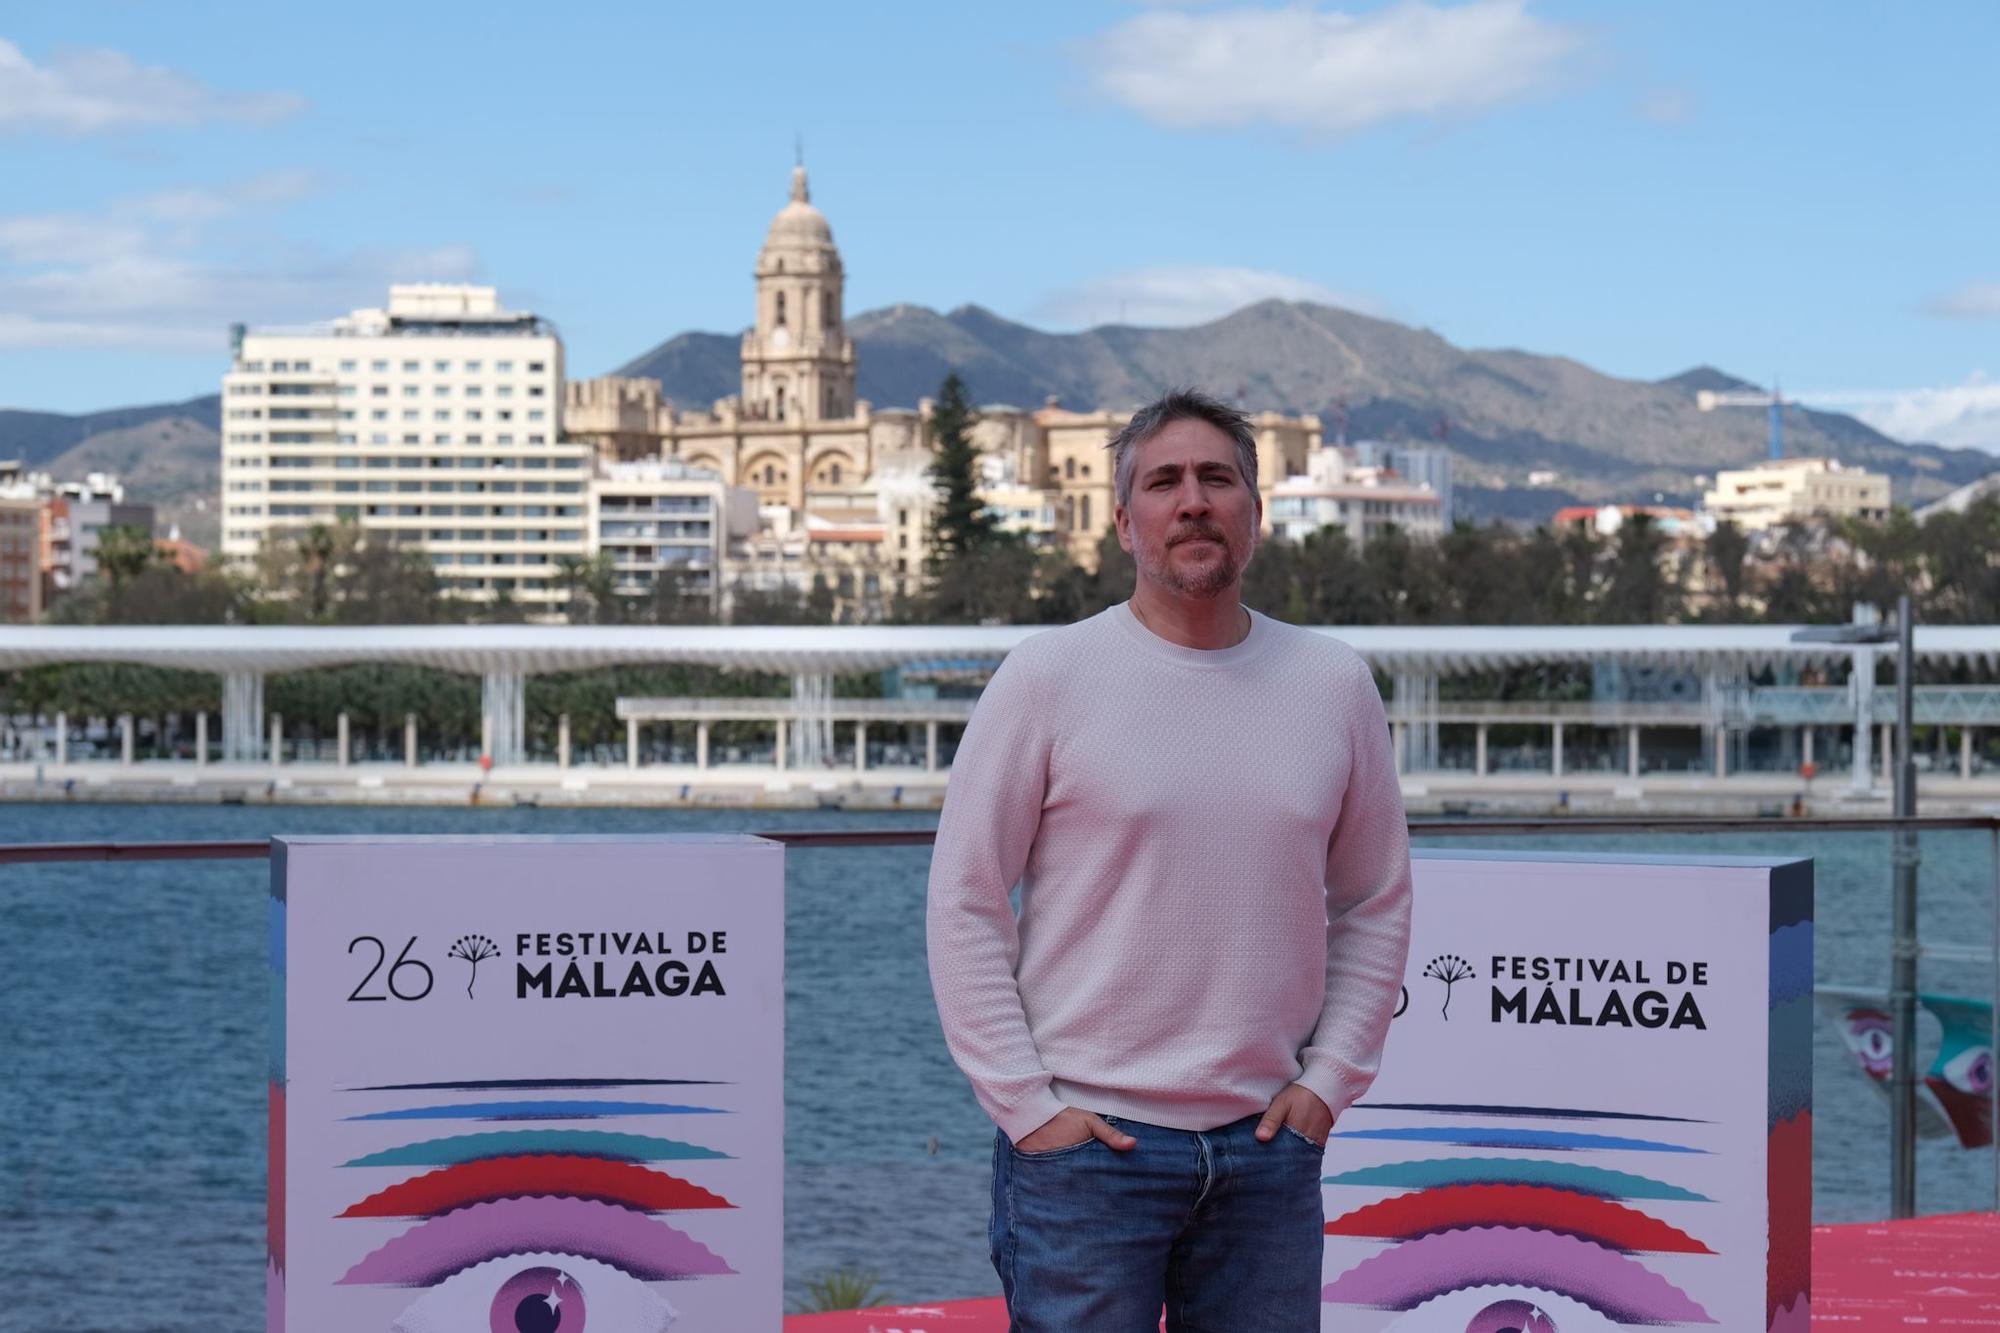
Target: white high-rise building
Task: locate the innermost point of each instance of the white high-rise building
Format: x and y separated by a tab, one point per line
436	422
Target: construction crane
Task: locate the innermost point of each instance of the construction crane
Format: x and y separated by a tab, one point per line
1707	400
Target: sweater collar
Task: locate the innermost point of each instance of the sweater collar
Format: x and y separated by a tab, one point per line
1262	631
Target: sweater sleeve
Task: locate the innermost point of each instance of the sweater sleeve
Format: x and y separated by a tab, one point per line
992	811
1368	913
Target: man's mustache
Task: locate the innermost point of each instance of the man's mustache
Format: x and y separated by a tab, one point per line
1201	533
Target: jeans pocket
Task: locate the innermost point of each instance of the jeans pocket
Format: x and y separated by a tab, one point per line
1315	1146
1052	1153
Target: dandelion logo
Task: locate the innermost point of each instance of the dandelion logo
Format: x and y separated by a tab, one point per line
1450	969
474	949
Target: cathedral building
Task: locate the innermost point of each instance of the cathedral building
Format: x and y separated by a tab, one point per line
841	481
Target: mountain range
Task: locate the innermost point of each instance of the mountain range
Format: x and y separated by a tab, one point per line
1503	413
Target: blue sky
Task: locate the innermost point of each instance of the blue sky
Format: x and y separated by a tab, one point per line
1789	188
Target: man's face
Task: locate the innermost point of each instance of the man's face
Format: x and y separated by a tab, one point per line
1192	522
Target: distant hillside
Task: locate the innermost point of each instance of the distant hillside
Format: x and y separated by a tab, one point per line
168	454
1504	413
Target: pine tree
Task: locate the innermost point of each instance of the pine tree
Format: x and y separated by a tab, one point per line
960	527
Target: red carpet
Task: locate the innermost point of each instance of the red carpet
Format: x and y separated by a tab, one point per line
1929	1272
1933	1273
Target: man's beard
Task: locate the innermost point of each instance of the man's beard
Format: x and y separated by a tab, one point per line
1211	580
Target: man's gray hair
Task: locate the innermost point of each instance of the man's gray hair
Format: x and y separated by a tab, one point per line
1181	405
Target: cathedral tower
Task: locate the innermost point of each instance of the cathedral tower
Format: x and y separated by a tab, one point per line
798	365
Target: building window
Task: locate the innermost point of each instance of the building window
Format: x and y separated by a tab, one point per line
1069	469
1083	513
780	321
536	367
780	413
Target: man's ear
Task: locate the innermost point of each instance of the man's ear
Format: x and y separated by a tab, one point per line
1123	522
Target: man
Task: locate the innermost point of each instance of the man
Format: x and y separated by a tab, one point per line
1200	807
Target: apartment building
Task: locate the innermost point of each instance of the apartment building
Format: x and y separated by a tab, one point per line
654	517
435	422
1793	490
1362	501
21	590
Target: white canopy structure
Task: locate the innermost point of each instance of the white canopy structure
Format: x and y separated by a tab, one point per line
504	655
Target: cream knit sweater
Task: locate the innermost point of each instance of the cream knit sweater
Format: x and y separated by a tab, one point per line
1214	877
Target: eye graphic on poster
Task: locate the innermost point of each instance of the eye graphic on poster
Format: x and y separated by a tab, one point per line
1497	1309
539	1293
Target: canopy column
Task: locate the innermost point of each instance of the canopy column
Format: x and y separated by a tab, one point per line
1862	682
503	701
242	717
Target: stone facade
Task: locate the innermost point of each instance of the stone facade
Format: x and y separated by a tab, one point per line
799	437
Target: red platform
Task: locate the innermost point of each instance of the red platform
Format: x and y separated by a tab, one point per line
1932	1273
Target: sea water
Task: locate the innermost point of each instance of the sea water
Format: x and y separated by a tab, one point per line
132	1023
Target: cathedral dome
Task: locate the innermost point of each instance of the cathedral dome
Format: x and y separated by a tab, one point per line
798	223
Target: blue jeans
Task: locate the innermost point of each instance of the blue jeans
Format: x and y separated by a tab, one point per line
1222	1230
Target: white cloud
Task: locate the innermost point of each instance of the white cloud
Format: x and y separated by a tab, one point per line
1965	415
1181	295
1325	72
147	273
1975	300
95	90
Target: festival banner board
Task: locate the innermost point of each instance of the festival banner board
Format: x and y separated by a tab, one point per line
526	1085
1594	1108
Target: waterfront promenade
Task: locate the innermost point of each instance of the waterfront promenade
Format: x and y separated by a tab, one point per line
912	786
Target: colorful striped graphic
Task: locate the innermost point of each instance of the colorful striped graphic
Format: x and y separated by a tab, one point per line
1419	1270
1550	1140
622	1183
531	1142
542	1110
1432	1173
432	1251
1456	1207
